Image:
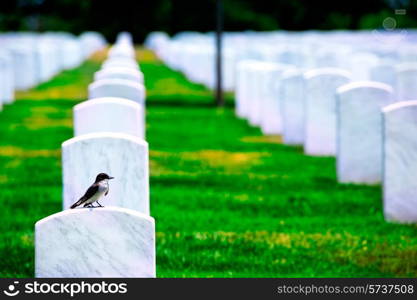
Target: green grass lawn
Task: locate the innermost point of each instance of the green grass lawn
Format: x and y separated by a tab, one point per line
228	202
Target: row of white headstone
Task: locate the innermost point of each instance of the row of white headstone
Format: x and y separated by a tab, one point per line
117	240
356	51
28	59
344	94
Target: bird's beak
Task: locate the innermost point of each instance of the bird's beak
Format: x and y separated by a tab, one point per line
111	177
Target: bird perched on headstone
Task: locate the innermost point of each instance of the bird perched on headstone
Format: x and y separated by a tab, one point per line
99	188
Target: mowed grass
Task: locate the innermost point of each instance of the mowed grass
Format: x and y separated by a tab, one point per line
31	132
228	202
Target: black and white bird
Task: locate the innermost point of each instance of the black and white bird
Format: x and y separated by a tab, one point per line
99	188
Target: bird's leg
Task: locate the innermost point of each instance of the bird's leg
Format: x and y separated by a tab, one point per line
99	205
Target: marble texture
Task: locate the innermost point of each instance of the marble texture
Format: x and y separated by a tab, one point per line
400	156
292	95
122	156
320	109
99	242
120	88
359	127
406	75
119	73
109	115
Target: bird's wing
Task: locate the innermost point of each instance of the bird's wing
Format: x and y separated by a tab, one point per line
108	188
90	192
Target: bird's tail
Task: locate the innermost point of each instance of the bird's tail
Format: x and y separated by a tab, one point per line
77	203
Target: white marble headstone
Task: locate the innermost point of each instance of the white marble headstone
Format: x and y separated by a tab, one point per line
109	115
384	73
360	64
71	54
122	63
263	105
327	57
255	103
359	130
292	107
122	156
24	66
120	88
320	113
270	98
406	81
46	61
292	56
245	87
122	49
120	73
7	78
400	157
95	242
241	90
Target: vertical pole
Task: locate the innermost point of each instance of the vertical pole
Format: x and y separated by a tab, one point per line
219	27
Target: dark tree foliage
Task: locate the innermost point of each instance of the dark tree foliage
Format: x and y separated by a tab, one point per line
142	16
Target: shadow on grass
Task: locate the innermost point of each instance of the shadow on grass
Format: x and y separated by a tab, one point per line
183	101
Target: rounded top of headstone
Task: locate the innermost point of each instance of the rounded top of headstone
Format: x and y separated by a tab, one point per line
327	71
120	62
104	135
120	69
399	105
122	50
90	212
364	84
115	72
116	87
107	100
116	81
